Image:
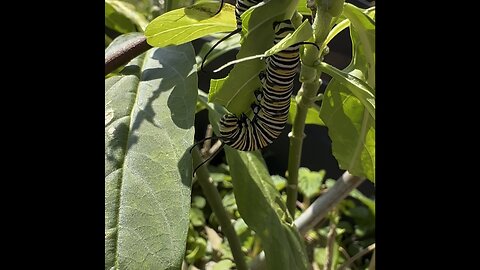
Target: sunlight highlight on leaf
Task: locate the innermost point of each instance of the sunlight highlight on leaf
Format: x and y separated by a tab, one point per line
186	24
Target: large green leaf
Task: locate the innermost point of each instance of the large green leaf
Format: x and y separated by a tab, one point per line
261	207
260	204
186	24
362	31
351	129
235	92
360	89
118	11
350	120
149	117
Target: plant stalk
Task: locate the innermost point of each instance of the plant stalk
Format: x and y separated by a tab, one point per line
306	98
215	202
320	207
125	54
359	255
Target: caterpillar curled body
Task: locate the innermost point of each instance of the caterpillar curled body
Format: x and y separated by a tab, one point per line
270	116
271	112
240	7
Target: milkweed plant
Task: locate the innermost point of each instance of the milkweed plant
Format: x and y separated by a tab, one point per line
166	206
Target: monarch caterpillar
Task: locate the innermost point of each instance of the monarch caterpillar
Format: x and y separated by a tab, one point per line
270	116
271	112
240	7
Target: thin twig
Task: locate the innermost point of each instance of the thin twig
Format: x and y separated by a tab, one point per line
208	143
330	242
214	148
125	54
357	256
344	252
300	205
372	261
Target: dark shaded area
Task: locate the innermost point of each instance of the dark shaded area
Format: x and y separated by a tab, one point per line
115	148
111	33
147	112
185	169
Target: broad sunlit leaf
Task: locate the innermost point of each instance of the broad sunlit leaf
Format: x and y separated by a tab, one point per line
186	24
149	117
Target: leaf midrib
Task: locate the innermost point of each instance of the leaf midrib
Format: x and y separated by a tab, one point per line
361	139
189	26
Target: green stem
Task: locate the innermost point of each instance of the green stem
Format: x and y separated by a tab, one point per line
295	152
307	95
215	202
